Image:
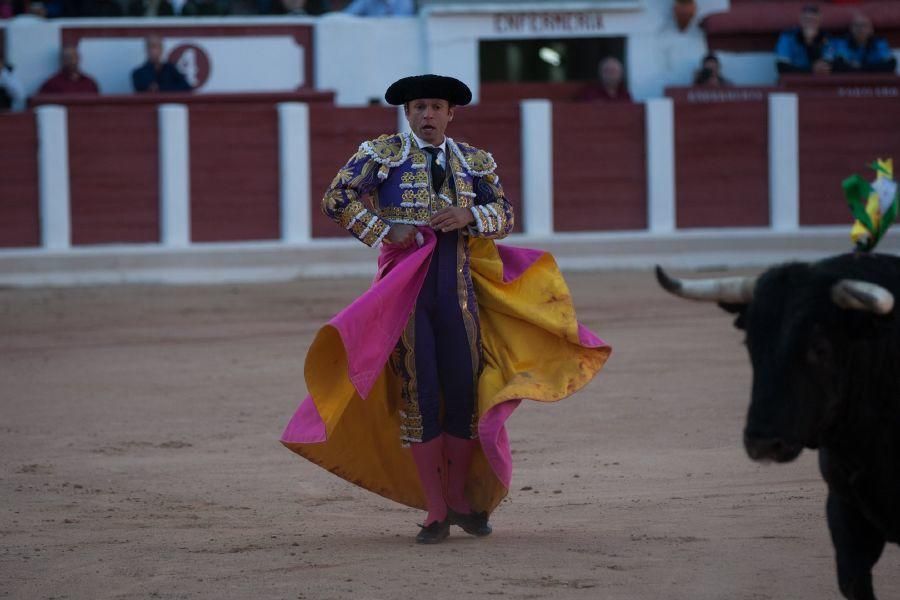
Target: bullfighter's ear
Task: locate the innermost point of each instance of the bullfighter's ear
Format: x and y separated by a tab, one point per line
736	309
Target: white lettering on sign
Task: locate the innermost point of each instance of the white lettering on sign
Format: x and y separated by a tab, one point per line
868	92
188	65
704	96
556	22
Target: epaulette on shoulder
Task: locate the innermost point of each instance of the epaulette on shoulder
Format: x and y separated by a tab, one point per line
388	150
476	161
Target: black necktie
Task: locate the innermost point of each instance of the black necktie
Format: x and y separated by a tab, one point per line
437	171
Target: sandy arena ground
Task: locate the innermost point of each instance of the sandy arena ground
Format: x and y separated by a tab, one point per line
139	458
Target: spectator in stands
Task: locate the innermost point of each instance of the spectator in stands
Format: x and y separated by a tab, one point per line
70	79
805	49
152	8
287	7
208	8
157	75
104	8
710	73
11	8
861	51
294	7
381	8
38	9
610	87
12	92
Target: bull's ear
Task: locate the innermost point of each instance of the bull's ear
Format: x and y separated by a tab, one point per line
736	309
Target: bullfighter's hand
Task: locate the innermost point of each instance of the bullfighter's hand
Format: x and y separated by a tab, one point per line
401	235
451	218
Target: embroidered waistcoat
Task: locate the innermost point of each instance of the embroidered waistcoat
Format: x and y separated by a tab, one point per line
393	173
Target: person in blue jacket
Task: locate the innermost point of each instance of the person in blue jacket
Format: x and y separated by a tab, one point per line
862	51
157	75
805	49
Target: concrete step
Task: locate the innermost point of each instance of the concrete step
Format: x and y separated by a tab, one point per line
272	261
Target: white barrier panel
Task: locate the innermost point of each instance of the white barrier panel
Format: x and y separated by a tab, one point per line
53	177
294	172
537	166
784	162
174	176
660	126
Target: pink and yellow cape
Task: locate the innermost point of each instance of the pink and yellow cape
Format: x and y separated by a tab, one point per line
534	348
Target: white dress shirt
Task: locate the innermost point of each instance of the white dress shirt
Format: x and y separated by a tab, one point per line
442	155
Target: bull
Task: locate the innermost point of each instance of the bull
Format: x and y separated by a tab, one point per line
824	345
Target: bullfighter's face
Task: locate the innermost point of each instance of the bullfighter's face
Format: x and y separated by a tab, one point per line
428	118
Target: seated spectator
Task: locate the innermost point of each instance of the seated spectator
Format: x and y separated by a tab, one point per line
70	79
156	75
208	8
294	7
861	51
39	9
381	8
11	8
150	8
611	87
805	49
104	8
710	73
12	92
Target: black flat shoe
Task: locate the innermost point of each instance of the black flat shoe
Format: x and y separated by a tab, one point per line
435	533
473	523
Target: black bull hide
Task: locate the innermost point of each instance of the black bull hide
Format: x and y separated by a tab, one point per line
826	376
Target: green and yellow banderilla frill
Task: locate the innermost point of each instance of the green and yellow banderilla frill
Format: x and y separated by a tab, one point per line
874	205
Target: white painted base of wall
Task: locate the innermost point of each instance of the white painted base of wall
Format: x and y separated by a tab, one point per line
720	249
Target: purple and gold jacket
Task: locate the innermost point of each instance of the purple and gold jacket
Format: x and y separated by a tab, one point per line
392	172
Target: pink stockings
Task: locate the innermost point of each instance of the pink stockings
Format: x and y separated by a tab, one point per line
459	459
429	459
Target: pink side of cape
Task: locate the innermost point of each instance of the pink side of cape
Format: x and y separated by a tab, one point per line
372	324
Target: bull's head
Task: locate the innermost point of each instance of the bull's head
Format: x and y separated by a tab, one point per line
793	319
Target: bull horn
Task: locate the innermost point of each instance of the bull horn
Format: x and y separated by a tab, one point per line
728	290
862	295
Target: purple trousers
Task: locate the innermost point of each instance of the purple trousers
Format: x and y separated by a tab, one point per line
438	358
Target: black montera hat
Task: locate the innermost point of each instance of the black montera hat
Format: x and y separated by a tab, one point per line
452	90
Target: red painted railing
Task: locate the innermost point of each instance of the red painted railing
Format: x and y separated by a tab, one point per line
234	172
19	212
113	174
838	137
599	157
721	164
599	167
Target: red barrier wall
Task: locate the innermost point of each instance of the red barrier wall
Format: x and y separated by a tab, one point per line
599	178
113	175
495	127
335	134
234	173
506	91
19	212
722	165
839	137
